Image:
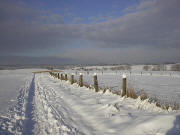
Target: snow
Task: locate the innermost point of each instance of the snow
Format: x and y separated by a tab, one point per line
11	82
46	105
163	85
102	113
124	76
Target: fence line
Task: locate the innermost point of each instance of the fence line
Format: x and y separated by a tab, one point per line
124	91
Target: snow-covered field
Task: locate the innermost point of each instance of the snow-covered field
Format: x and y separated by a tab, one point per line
163	85
46	105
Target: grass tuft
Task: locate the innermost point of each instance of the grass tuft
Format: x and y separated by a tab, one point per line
131	93
87	85
176	106
166	106
143	96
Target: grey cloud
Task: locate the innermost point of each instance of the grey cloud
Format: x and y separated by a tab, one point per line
19	35
138	54
154	25
29	37
52	18
15	11
18	60
157	25
77	20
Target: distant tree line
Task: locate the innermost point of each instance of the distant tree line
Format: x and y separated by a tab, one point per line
123	67
175	67
160	67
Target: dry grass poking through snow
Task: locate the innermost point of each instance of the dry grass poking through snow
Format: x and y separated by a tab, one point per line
144	96
176	106
131	93
87	85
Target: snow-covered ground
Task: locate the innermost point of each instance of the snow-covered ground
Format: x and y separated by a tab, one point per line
11	82
163	85
46	105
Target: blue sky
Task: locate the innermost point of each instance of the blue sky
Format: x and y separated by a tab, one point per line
89	31
85	9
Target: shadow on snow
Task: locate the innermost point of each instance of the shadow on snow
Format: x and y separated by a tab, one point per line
29	122
176	128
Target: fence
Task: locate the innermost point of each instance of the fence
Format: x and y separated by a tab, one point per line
95	78
120	87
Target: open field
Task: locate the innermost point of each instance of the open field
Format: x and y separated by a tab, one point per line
48	105
163	85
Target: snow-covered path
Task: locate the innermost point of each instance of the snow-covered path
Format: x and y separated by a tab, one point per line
61	108
55	107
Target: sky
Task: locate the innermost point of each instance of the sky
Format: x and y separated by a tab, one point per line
89	31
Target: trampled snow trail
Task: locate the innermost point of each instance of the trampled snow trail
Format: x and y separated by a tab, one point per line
61	108
60	117
29	122
19	119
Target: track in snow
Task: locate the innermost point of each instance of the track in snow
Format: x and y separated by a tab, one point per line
29	122
19	119
61	118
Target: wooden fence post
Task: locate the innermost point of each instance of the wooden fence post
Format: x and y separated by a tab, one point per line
96	83
123	85
72	78
81	80
62	78
66	77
